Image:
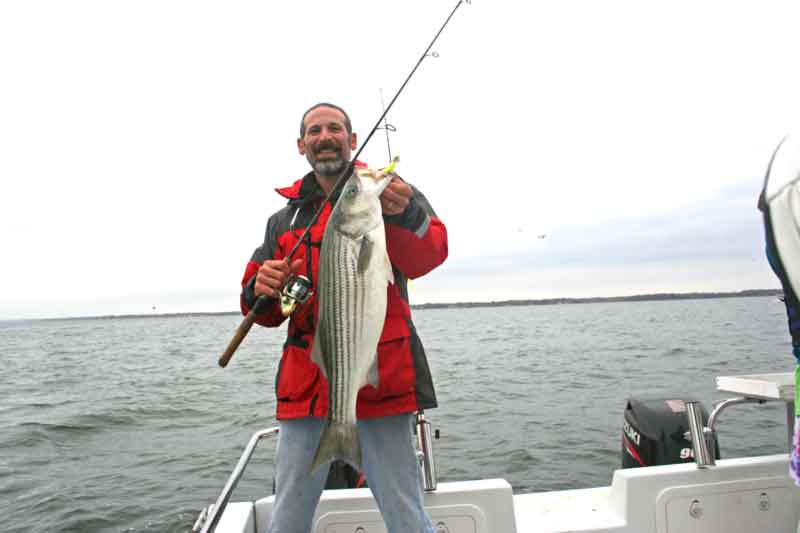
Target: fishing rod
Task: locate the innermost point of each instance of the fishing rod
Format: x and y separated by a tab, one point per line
389	128
298	288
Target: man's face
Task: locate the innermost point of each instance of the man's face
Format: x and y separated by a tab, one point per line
326	143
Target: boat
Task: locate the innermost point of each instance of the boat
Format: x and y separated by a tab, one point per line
703	495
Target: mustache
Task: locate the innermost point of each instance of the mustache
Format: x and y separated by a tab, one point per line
327	145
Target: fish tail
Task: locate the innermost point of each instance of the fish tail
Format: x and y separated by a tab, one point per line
338	441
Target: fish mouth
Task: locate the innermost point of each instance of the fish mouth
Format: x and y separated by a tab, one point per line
373	180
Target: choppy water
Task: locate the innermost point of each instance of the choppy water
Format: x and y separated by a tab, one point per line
127	424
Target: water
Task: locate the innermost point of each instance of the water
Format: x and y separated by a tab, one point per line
128	424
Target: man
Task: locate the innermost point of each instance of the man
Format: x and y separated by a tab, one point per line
416	243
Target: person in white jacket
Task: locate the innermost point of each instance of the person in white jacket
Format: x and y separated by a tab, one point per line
780	204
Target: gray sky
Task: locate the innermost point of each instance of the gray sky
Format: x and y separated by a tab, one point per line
140	142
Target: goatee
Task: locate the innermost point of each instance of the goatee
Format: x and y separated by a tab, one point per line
329	169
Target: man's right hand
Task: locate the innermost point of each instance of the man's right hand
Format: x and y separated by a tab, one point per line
272	276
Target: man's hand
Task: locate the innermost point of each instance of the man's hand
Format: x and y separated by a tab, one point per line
272	276
396	196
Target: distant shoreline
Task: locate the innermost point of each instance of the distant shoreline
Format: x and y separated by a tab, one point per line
608	299
462	305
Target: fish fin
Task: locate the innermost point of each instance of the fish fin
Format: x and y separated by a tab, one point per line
338	441
365	254
316	353
372	373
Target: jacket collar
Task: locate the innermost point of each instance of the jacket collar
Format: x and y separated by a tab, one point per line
303	189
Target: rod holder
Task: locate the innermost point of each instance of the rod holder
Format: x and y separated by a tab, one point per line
700	436
425	445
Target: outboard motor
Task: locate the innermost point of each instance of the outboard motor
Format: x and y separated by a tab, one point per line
654	433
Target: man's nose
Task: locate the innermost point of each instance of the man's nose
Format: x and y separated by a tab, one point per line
325	134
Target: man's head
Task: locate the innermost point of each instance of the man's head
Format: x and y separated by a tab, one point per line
326	139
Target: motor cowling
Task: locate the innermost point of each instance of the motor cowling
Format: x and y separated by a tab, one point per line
654	432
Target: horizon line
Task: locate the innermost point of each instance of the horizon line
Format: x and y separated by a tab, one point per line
747	293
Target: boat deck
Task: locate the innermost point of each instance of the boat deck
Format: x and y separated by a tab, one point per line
566	510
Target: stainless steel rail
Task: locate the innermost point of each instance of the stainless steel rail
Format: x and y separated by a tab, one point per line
712	419
702	437
425	452
212	519
699	435
724	404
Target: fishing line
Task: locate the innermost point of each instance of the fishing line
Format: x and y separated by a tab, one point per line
262	300
351	165
387	127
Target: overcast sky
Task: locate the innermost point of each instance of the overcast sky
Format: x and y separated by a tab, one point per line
140	142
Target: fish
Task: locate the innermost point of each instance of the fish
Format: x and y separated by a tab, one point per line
354	273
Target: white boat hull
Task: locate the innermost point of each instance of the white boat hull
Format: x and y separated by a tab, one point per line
744	495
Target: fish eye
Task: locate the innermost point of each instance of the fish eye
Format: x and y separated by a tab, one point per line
351	191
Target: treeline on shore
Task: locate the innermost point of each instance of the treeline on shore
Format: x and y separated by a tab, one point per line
633	298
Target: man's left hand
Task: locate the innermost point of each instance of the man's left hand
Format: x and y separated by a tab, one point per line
396	196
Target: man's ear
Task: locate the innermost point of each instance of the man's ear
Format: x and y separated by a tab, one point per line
301	146
353	141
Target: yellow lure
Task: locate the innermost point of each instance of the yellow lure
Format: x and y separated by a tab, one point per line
390	167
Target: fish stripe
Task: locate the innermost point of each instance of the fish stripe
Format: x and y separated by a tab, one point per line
353	279
342	322
340	334
345	298
344	333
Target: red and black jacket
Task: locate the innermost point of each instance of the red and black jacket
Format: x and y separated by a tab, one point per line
416	241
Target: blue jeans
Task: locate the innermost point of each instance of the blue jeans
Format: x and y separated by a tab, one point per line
390	466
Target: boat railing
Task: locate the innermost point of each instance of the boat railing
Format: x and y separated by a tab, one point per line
210	516
703	436
759	388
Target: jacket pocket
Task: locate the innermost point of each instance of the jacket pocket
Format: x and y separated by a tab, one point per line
394	327
396	375
297	375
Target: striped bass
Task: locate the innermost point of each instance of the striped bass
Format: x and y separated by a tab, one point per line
354	272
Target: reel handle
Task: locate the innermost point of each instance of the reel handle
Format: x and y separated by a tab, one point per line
298	289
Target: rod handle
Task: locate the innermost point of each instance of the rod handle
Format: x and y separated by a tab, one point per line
241	333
